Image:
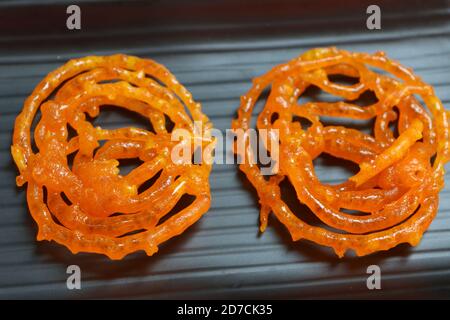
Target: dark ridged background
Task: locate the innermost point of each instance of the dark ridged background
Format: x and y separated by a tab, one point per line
215	48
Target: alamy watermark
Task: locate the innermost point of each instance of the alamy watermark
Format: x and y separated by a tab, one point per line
73	281
373	21
73	21
259	147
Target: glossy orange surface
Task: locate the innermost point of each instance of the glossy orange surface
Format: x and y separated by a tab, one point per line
396	189
88	205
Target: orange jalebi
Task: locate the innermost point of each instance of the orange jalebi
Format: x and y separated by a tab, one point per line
88	206
396	190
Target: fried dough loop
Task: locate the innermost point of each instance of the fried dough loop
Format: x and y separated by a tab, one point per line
397	187
89	206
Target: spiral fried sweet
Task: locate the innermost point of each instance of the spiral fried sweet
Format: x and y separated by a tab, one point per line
395	192
88	205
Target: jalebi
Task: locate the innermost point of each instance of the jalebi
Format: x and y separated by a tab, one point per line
395	192
88	205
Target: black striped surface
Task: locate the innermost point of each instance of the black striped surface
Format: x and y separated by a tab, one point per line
223	255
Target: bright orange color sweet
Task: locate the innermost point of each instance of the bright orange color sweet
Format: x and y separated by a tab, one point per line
397	187
103	211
